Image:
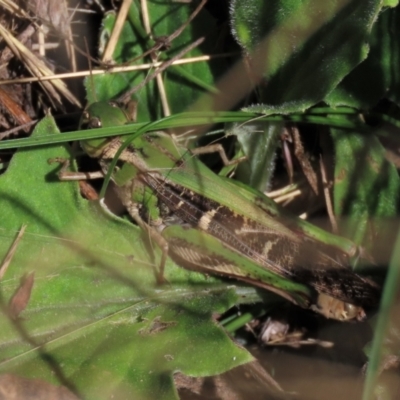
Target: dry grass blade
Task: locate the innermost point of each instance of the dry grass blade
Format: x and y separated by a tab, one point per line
119	23
159	78
116	70
9	256
12	131
157	74
14	9
303	159
126	96
13	109
7	54
328	199
38	68
190	19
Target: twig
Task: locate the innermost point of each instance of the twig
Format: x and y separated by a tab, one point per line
328	200
10	254
126	97
119	23
159	79
115	70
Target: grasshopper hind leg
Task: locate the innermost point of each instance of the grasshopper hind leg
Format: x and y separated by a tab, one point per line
133	210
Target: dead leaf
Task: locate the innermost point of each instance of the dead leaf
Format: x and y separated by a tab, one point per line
21	297
13	387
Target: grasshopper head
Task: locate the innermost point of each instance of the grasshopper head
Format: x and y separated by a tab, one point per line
100	115
338	309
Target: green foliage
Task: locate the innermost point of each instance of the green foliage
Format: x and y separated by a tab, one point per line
303	48
102	326
344	54
376	77
367	186
261	141
183	84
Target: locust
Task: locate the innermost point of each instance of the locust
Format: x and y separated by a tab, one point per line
214	225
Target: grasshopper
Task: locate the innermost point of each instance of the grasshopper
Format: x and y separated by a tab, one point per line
220	227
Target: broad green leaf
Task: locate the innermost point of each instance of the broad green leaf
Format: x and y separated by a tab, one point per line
302	49
258	142
376	77
182	83
390	3
104	328
367	186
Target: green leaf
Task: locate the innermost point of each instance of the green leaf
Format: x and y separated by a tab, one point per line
367	186
95	321
303	49
390	3
258	142
377	77
183	84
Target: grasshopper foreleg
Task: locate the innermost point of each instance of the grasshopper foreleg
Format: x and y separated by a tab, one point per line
65	175
217	148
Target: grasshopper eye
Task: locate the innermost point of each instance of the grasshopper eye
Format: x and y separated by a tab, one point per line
86	115
353	312
94	122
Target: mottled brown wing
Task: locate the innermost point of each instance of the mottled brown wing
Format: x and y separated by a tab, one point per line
295	257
